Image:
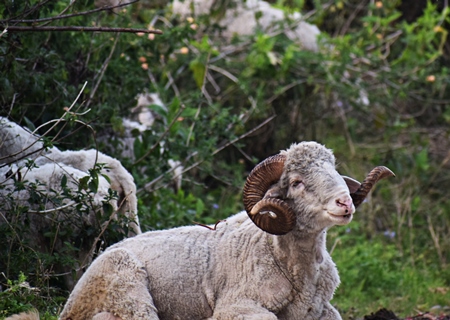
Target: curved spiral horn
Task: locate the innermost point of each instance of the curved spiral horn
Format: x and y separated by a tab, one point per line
272	215
375	175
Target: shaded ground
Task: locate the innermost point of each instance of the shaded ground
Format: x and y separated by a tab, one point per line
384	314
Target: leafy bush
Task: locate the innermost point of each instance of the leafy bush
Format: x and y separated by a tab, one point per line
19	296
375	93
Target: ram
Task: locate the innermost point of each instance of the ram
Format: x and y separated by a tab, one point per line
269	262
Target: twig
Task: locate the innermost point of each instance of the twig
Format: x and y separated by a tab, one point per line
65	121
171	82
102	71
34	132
283	90
244	135
213	83
435	239
204	92
352	17
65	113
56	122
12	102
226	73
235	80
32	9
208	227
230	143
104	227
157	179
78	28
70	204
191	129
336	242
208	98
153	80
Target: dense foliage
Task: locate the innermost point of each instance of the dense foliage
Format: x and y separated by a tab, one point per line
375	93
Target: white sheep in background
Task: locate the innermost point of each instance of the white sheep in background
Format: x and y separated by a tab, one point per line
242	19
268	263
141	118
53	207
56	208
141	113
121	180
17	142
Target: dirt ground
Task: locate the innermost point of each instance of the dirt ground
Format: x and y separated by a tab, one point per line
384	314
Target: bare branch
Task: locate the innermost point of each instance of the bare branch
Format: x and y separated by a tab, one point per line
77	28
102	70
70	204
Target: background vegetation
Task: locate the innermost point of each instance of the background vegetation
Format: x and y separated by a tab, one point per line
376	93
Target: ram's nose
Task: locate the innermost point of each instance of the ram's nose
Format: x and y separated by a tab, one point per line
346	203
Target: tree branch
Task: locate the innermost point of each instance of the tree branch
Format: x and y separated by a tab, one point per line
80	29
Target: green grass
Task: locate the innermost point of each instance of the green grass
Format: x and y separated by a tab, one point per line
19	296
375	274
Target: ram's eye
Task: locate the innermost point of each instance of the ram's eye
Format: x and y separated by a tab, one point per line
296	183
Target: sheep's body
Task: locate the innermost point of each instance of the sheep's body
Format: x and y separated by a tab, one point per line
31	315
18	145
237	271
195	273
17	142
47	179
52	209
272	266
54	205
121	180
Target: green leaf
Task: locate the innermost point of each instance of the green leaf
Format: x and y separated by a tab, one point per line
93	185
422	160
200	207
83	183
30	124
107	209
198	69
64	181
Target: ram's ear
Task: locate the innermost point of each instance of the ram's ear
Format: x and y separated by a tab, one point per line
352	184
274	192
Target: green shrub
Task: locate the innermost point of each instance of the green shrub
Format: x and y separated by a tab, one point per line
375	93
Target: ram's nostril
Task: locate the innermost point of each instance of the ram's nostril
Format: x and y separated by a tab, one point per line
346	203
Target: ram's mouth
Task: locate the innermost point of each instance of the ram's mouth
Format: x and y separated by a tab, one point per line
341	218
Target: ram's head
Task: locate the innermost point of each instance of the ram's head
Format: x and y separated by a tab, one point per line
301	188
